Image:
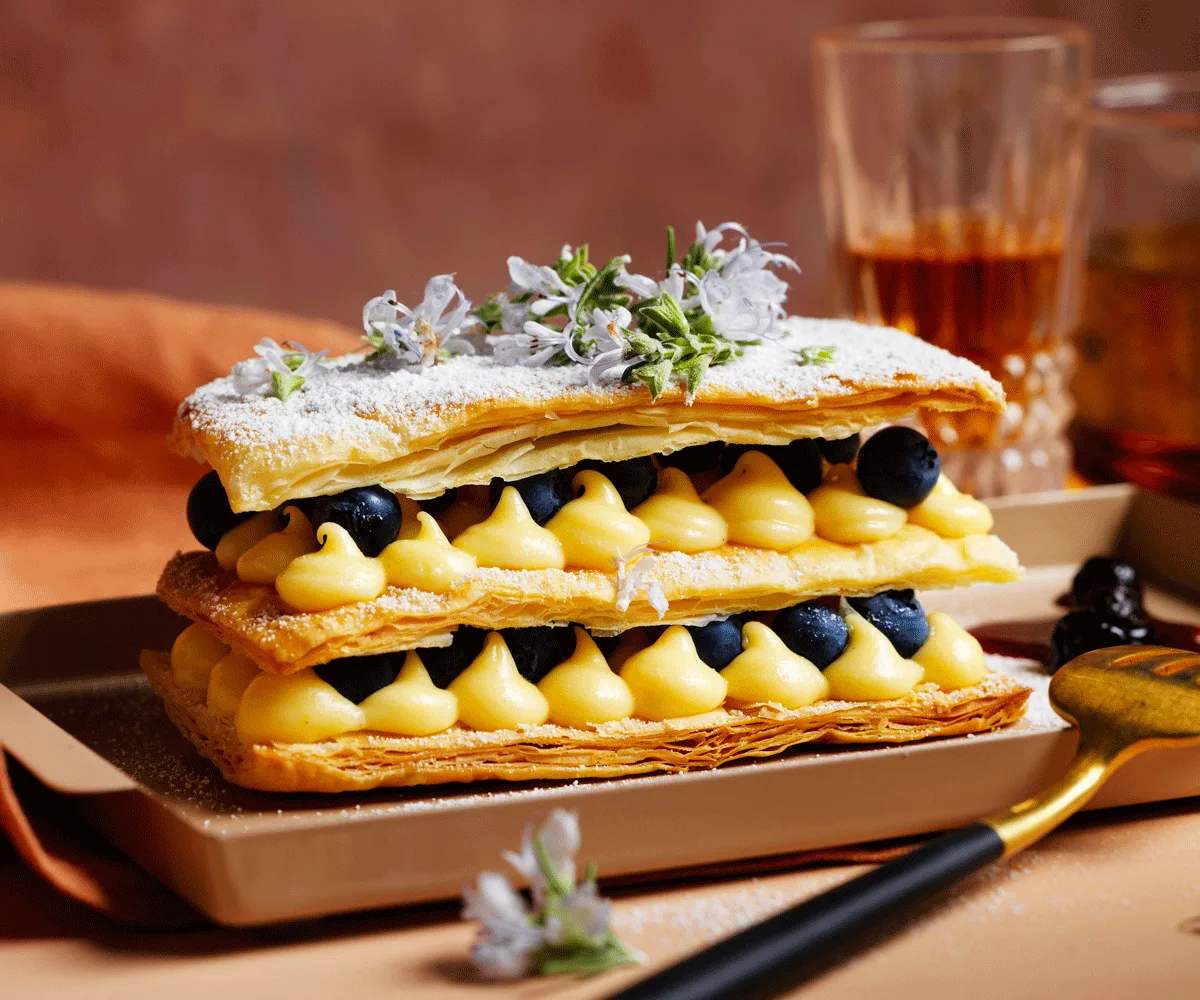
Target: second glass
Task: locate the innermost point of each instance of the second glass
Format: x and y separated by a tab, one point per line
952	159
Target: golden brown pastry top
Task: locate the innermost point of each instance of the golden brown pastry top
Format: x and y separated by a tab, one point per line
421	431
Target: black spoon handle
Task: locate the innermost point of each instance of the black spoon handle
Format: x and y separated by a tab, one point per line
807	939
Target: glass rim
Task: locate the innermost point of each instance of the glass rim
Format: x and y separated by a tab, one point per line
1139	101
965	34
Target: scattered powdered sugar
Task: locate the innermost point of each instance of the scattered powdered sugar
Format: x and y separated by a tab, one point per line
1038	712
392	407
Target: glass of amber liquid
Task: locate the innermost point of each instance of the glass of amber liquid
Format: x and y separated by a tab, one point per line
952	167
1137	376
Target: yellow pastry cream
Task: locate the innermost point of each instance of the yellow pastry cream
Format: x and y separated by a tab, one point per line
412	705
845	514
425	560
595	526
267	558
491	692
194	653
583	690
230	677
670	681
410	527
951	514
337	574
511	539
760	506
296	708
678	519
767	671
244	536
870	669
951	656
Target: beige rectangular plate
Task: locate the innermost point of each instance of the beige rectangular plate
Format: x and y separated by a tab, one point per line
78	714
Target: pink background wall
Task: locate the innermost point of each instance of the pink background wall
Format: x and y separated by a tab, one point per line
304	155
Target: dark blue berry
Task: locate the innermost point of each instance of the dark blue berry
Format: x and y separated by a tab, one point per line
634	478
717	643
698	458
540	649
444	663
800	461
898	615
359	677
208	512
371	514
1120	603
1082	631
1105	573
435	505
812	630
544	494
840	451
606	643
898	465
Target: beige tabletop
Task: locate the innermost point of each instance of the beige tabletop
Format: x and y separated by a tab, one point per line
1096	911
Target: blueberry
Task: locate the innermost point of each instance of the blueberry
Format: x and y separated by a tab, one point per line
814	631
208	512
435	505
359	677
1083	631
799	460
717	643
801	463
698	458
444	663
1122	603
606	643
898	615
540	649
1105	572
898	465
370	514
840	451
544	494
635	478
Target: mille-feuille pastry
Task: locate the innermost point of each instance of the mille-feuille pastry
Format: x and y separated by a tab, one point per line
599	525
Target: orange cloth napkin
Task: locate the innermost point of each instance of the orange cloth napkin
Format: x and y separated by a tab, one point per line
89	383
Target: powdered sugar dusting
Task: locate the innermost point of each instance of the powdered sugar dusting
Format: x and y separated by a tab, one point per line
394	407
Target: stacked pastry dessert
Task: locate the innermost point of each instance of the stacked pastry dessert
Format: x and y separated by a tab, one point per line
602	524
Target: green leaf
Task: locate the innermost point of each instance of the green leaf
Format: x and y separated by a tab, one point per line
558	884
284	385
693	371
585	961
489	313
670	248
663	312
653	374
575	269
817	355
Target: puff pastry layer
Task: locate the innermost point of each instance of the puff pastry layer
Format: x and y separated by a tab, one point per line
360	761
253	619
464	421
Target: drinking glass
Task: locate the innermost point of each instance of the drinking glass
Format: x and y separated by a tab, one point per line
1137	381
952	165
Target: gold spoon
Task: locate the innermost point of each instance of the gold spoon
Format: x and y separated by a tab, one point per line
1125	700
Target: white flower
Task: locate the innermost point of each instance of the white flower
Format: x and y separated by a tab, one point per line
745	305
560	839
508	939
607	332
544	282
632	570
415	336
639	284
532	348
582	911
290	360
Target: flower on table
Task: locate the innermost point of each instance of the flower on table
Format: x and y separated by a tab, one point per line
279	369
567	929
420	336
